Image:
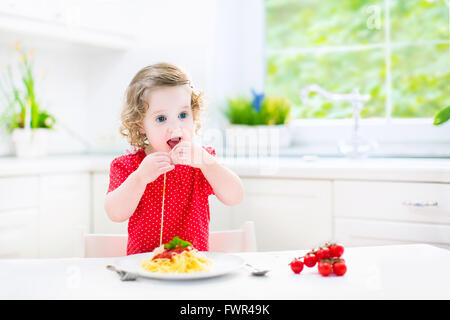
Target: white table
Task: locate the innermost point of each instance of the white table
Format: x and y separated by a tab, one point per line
385	272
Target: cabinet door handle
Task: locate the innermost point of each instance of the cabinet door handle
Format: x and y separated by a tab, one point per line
420	203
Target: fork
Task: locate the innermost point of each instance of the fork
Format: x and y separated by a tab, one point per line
124	275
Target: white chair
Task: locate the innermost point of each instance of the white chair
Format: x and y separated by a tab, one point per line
97	245
115	245
240	240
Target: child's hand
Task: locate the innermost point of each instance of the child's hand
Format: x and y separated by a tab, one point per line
154	165
188	153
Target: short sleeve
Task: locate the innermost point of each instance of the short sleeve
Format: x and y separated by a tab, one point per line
206	186
210	150
118	173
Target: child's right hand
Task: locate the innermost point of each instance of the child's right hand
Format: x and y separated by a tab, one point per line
154	165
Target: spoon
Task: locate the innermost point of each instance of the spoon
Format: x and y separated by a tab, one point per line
257	272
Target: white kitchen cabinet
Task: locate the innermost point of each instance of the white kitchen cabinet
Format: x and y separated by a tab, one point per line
288	214
96	23
19	192
19	216
354	232
394	201
19	233
64	214
373	212
101	222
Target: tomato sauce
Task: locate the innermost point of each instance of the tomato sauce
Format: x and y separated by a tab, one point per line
168	254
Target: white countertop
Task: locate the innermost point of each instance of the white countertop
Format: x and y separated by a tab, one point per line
384	272
388	169
11	166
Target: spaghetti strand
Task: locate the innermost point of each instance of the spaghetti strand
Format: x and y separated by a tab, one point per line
162	210
185	262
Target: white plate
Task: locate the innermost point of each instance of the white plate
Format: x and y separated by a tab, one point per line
222	263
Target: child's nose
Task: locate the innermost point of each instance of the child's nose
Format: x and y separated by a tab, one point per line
175	132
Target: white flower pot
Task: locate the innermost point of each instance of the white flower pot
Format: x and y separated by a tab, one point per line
6	144
30	143
261	140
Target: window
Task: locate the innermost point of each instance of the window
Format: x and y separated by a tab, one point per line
396	51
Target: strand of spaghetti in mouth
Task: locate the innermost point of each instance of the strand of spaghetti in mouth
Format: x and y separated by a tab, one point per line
162	210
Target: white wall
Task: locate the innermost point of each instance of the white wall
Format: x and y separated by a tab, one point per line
219	42
238	60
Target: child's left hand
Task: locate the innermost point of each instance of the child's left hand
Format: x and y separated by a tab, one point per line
188	153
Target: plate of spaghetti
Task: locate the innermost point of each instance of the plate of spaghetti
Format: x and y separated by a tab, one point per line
179	260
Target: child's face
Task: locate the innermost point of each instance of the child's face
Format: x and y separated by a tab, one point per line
169	119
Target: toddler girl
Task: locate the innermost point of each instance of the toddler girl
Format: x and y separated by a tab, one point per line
160	115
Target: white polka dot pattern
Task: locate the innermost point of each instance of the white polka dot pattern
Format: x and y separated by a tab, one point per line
186	206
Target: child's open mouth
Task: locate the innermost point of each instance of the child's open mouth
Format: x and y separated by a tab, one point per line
173	142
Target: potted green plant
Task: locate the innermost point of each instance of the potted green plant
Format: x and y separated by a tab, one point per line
22	114
260	116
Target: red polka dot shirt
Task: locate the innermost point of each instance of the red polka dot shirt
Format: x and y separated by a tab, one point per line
186	206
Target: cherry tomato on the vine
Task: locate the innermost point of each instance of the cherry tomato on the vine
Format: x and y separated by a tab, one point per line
339	268
296	265
310	260
336	250
323	253
325	267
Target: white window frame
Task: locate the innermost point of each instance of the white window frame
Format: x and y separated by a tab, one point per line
394	136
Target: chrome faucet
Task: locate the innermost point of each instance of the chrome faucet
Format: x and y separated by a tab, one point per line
354	97
357	145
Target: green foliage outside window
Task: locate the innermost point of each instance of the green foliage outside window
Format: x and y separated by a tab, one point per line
342	45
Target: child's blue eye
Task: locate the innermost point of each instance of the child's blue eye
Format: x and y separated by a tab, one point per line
182	115
160	119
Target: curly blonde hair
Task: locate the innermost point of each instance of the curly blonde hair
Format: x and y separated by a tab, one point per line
135	106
